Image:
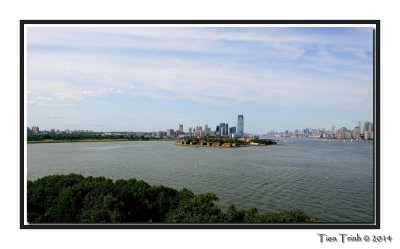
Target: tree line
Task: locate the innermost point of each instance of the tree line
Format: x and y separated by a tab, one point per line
77	137
76	199
231	140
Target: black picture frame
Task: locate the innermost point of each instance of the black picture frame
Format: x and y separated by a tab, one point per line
376	74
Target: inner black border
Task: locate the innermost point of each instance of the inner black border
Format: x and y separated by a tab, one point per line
376	74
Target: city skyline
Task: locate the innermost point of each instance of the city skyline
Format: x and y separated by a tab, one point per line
182	129
154	79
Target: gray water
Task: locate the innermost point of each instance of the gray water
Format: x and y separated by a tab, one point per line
329	180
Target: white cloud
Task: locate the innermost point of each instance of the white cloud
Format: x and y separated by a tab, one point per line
76	75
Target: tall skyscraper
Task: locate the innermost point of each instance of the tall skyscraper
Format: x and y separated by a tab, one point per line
333	128
226	130
190	131
205	129
240	126
222	129
361	125
180	128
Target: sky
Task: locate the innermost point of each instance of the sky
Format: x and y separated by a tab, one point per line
154	78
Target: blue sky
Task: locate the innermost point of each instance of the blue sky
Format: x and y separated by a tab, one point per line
151	79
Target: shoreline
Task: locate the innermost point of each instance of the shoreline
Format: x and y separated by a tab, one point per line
95	140
210	146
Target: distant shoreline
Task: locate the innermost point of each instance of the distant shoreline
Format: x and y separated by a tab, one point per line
210	146
94	140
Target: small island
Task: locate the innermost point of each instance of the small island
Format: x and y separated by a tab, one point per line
225	142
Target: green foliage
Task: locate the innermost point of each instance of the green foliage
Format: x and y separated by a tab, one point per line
199	209
82	137
230	140
76	199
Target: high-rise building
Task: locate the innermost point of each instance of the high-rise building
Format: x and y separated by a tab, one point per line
333	128
190	131
222	129
170	133
217	129
367	126
240	126
356	133
361	125
180	128
226	131
35	130
205	129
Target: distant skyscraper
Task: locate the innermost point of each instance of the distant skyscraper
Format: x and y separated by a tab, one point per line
217	129
240	126
35	130
367	126
361	125
333	128
170	133
222	128
180	128
190	131
205	129
226	131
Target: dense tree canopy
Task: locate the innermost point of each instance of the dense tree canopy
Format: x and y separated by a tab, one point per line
76	199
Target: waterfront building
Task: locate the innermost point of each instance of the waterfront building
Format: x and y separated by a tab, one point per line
368	135
226	131
205	129
222	129
180	128
240	126
367	126
217	129
361	125
35	130
190	131
170	133
356	133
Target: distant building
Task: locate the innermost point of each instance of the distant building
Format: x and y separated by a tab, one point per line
35	130
180	128
361	125
356	133
29	131
222	129
190	131
368	135
205	129
170	133
240	126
